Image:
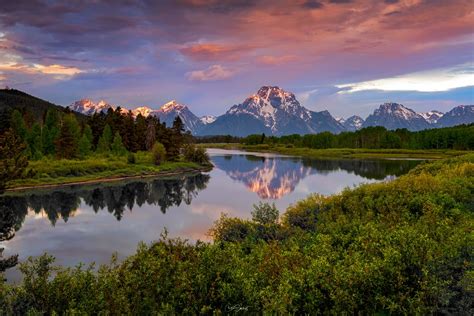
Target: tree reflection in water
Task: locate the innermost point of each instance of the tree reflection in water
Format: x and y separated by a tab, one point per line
116	198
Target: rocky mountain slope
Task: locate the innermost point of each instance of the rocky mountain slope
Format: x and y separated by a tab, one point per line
273	111
462	114
394	115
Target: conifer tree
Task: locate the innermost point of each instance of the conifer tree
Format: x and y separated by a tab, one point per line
50	132
12	158
150	135
35	142
84	147
88	132
140	132
127	130
85	143
68	140
105	140
117	147
175	139
18	124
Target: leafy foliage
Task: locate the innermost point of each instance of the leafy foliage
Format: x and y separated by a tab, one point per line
264	213
13	161
159	153
196	154
399	247
457	137
117	146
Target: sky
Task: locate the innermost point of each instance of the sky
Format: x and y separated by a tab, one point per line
346	56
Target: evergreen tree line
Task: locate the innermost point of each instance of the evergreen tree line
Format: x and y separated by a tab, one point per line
458	137
60	135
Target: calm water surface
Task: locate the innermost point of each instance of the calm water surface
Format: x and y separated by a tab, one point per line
90	223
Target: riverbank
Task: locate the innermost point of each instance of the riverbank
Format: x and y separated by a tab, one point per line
343	152
49	173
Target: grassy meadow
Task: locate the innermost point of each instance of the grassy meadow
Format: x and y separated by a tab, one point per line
96	167
342	152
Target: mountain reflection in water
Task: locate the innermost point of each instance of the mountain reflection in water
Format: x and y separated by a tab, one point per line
274	177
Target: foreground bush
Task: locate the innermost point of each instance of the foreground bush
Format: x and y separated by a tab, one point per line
196	154
158	153
402	247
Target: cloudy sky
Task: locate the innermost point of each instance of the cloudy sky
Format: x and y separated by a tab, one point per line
346	56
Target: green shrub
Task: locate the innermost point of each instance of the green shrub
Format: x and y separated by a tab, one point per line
158	153
131	158
196	154
264	213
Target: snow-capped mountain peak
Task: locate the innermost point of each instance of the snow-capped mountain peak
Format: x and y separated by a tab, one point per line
270	104
143	110
275	111
173	105
461	114
340	119
88	107
394	115
353	123
396	110
207	119
432	116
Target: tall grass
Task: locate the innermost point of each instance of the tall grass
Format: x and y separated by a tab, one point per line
53	171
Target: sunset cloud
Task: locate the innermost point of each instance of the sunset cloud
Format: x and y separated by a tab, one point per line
426	81
276	60
211	51
360	44
59	71
214	72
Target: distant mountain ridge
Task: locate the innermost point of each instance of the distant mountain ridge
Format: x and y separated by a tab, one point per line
166	113
274	111
394	115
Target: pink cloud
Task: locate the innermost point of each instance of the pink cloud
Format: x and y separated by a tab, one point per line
212	73
276	60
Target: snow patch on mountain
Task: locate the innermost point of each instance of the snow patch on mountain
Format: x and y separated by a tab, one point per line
88	107
432	116
207	119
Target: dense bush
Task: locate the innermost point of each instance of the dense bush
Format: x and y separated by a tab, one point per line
399	247
131	158
196	154
265	213
159	153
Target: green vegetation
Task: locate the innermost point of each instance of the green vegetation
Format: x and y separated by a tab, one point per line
61	149
399	247
96	167
159	153
33	108
12	160
458	138
342	152
196	154
370	142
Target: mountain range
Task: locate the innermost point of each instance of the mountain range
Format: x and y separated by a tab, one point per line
274	111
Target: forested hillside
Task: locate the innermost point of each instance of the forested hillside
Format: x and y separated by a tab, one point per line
35	108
